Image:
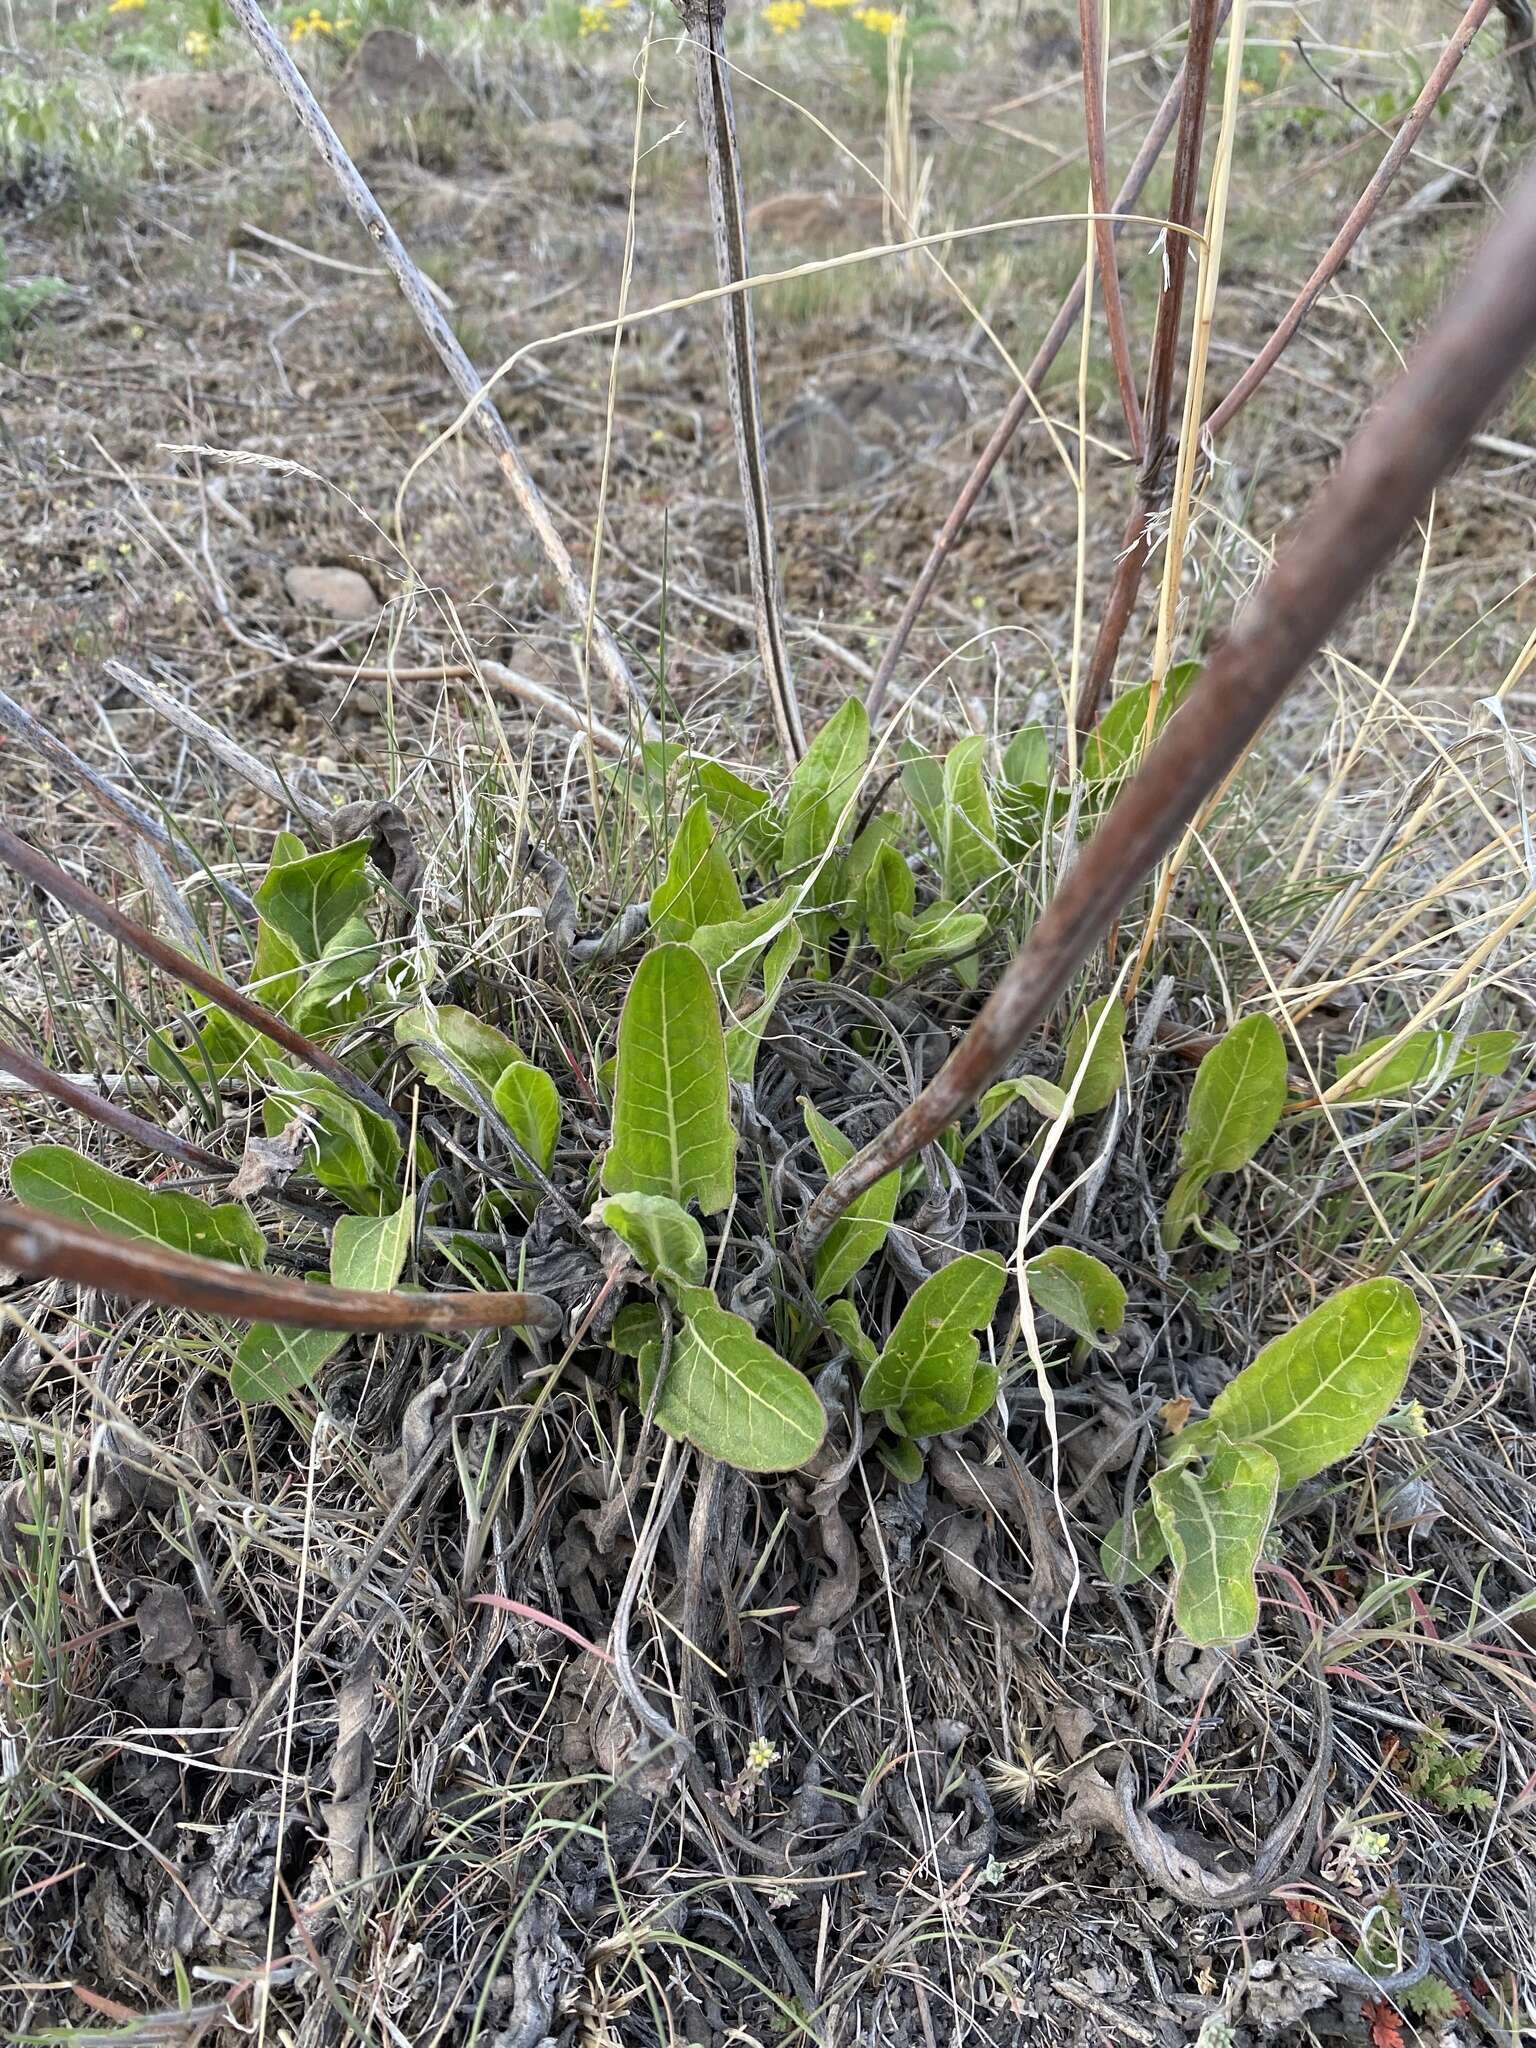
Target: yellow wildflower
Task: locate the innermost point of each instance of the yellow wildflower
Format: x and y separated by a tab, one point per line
784	15
1249	87
125	6
312	24
832	6
196	43
591	21
881	21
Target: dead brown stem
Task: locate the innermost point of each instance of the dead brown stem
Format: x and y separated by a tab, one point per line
1454	378
97	1109
41	1245
1022	405
46	874
1355	221
1103	228
1159	447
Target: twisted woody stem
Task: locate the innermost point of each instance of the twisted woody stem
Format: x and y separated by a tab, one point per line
1453	380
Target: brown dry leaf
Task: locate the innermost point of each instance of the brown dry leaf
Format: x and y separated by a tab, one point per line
1175	1413
269	1159
346	1812
167	1632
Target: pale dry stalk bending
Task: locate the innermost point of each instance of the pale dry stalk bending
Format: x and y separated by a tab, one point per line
1023	404
492	427
705	22
1454	378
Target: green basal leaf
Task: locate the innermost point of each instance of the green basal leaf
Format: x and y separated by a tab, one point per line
922	778
744	1041
1022	812
938	933
277	973
932	1354
637	1324
1237	1098
483	1052
672	1131
356	1153
1132	1552
901	1458
731	949
983	1395
821	798
969	855
666	1241
367	1252
1095	1057
755	824
1214	1518
1116	743
699	888
1002	1095
309	900
1027	758
64	1183
734	1398
861	1230
844	1319
1427	1058
1315	1394
271	1362
332	993
1186	1205
887	900
880	833
1078	1290
528	1102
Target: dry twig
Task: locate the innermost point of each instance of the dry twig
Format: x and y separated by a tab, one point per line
1453	380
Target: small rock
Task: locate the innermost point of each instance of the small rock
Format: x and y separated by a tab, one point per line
815	453
818	218
391	68
178	100
332	593
837	440
563	133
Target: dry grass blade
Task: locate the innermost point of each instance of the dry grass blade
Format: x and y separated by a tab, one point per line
46	1246
492	427
1021	406
97	1109
1454	378
46	874
705	21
